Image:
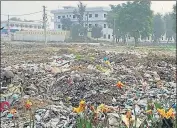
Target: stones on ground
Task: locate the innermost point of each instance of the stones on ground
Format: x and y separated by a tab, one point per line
65	82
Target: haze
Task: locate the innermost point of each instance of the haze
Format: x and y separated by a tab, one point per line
25	7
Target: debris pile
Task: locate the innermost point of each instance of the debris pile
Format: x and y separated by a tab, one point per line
54	87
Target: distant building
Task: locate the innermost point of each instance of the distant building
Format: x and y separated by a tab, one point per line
96	16
19	26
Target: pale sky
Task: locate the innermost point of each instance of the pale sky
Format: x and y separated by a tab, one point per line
25	7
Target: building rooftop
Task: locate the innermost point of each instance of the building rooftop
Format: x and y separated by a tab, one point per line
67	9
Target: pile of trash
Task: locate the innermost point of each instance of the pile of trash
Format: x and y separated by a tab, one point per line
55	87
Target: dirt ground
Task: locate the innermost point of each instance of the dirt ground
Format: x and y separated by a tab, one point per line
19	52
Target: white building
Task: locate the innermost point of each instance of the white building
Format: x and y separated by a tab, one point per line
96	16
21	25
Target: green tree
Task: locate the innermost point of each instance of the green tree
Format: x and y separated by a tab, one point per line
113	17
174	21
66	23
133	19
78	32
139	19
96	32
158	27
80	13
168	19
174	18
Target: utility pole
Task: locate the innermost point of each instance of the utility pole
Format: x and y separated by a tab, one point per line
8	26
44	23
114	31
87	25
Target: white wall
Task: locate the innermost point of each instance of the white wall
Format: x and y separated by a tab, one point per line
54	36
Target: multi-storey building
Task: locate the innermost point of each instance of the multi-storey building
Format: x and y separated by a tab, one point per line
20	25
96	16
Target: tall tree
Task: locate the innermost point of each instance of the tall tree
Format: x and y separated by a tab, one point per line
80	13
78	32
174	18
158	27
113	21
174	21
66	23
168	19
133	19
139	20
96	32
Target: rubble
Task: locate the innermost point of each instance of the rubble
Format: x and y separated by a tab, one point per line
68	75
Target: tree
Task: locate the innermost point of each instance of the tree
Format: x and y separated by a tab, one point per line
174	21
96	32
78	32
168	19
138	20
113	17
80	13
15	19
133	19
67	23
158	27
174	18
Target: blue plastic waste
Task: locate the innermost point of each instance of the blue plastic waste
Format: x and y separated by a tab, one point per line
15	96
9	115
105	58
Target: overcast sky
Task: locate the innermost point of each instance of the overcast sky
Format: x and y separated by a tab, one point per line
25	7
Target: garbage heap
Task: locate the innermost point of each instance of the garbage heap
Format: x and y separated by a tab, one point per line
53	88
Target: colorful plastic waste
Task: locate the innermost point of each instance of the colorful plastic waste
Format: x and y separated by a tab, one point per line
10	115
105	58
4	105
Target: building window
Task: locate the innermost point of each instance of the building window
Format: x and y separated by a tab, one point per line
90	25
59	26
129	37
104	15
90	15
162	38
69	15
109	26
74	16
63	16
96	15
109	36
96	25
39	27
26	26
59	17
148	38
35	26
104	25
104	36
85	25
30	26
